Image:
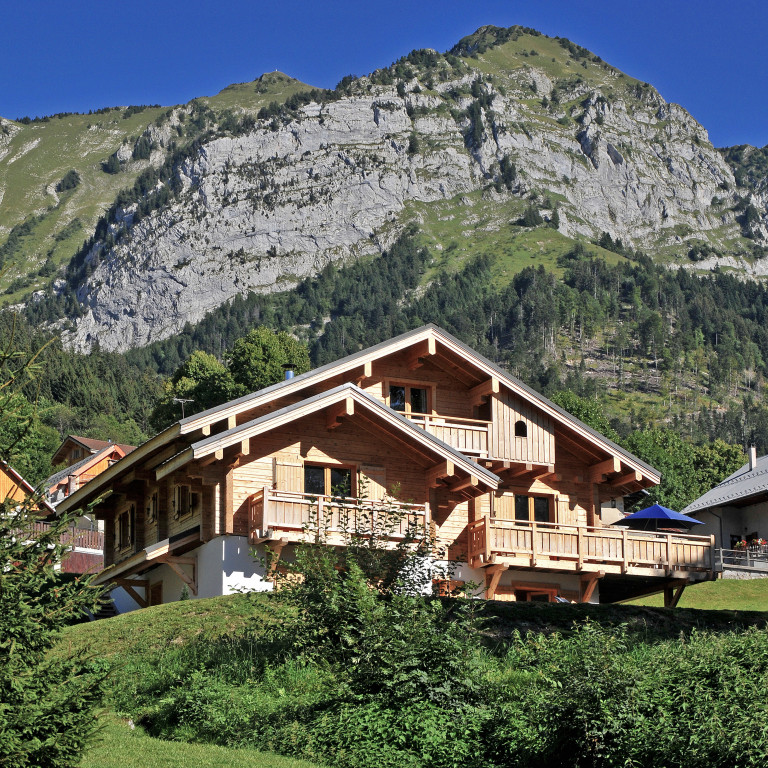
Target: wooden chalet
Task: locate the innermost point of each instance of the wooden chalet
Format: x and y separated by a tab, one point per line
512	485
84	458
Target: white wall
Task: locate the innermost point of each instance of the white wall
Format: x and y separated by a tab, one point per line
736	521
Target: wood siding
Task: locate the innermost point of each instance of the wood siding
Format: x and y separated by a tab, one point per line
538	447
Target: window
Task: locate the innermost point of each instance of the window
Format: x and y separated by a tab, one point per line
320	480
408	399
521	429
184	501
153	507
532	508
124	528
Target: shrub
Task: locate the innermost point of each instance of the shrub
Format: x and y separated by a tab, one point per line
70	181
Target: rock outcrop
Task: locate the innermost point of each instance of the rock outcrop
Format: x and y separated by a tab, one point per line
333	181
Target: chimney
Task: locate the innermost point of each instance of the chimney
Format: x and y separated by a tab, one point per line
752	457
288	368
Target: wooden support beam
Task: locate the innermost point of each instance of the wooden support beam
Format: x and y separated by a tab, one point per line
218	454
245	447
207	460
231	422
521	470
588	582
439	471
176	563
543	471
424	348
206	430
492	578
484	389
129	584
460	485
611	466
275	549
334	413
630	477
672	595
455	370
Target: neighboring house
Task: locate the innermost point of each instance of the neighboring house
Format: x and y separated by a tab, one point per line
74	448
86	547
735	511
513	485
84	459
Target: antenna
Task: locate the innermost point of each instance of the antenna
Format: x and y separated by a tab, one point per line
183	400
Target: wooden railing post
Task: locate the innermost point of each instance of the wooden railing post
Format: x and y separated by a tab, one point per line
533	544
487	536
265	510
580	546
669	553
624	560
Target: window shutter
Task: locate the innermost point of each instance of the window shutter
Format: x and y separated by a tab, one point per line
504	506
288	473
372	482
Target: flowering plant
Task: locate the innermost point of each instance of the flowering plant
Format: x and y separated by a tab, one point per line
740	544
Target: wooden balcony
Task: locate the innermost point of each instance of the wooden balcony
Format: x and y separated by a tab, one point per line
470	436
76	538
583	549
292	517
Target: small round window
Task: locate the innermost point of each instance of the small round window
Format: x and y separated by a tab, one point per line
521	429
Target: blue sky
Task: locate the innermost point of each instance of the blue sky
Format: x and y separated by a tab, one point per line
78	55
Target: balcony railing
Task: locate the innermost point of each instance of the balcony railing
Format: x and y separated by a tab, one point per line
295	517
753	558
469	436
76	538
551	546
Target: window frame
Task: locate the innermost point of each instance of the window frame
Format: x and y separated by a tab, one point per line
410	384
327	469
193	501
125	522
549	498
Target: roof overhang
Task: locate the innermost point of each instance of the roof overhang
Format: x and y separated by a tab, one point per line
429	341
342	402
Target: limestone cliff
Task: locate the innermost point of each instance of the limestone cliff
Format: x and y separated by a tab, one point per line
258	207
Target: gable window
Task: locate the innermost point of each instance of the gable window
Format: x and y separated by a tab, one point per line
408	399
521	429
320	480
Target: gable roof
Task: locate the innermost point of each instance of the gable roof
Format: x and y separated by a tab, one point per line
310	406
89	444
425	334
24	485
741	485
428	335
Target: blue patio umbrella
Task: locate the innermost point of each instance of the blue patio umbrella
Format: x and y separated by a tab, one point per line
657	516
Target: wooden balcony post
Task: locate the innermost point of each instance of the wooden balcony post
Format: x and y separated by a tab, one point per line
669	553
624	562
487	537
533	544
265	510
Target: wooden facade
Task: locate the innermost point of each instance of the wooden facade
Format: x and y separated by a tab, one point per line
512	485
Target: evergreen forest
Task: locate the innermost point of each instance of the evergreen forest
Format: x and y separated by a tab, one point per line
659	351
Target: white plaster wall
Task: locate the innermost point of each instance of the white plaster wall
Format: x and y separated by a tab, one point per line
227	564
736	521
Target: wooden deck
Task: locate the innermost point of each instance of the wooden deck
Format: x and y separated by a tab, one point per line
298	517
584	549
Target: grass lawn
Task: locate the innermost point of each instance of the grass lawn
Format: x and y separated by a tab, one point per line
117	746
720	595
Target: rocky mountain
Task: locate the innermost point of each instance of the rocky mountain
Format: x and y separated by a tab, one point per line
508	131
